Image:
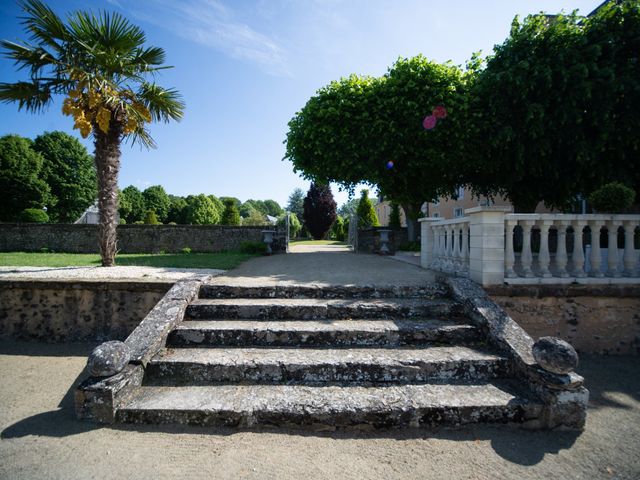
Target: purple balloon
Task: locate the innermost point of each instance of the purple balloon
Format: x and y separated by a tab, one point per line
429	122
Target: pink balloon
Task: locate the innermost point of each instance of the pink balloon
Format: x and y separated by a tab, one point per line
439	112
429	122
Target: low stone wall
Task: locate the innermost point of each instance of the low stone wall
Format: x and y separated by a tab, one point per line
81	238
594	319
369	239
59	311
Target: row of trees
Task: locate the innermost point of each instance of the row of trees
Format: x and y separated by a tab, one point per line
550	116
53	172
193	209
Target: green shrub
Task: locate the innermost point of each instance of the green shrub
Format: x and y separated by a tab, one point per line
34	215
613	197
366	213
410	247
151	218
138	222
186	250
337	229
123	221
253	247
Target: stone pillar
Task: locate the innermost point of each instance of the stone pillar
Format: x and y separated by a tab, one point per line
486	259
427	240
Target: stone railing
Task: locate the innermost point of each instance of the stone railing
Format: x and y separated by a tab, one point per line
493	246
445	245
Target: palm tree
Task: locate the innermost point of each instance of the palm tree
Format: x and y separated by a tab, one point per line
100	64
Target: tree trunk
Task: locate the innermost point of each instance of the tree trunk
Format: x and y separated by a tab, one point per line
107	158
411	215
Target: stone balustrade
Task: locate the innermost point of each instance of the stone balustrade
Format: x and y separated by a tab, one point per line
493	246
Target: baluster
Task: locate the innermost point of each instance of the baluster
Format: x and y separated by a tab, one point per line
510	256
612	251
438	248
630	258
435	260
561	251
441	251
455	243
450	262
577	255
526	258
465	247
543	256
595	258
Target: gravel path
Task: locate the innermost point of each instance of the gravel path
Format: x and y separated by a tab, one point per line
143	273
39	437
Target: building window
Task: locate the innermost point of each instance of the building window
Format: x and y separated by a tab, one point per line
436	215
460	193
458	212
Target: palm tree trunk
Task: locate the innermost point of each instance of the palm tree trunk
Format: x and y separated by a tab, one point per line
107	157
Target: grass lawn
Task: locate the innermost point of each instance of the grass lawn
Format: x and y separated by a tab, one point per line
223	261
316	242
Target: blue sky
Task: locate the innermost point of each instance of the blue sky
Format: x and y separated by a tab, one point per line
245	67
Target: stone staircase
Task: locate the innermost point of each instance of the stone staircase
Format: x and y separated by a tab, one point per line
326	357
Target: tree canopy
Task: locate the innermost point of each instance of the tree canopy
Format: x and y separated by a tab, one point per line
231	214
20	184
70	172
156	199
370	130
295	203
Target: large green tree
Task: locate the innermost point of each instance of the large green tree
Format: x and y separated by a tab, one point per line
230	215
131	206
156	199
556	110
20	184
370	130
101	65
201	210
295	203
70	172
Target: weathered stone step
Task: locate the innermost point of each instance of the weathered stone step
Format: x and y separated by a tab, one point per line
429	291
310	333
316	308
203	366
329	406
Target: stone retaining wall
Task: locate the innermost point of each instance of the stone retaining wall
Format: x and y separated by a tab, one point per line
594	319
80	238
59	311
369	239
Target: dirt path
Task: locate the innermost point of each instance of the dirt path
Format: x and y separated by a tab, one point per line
40	439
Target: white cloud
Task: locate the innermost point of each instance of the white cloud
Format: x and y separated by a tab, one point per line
212	24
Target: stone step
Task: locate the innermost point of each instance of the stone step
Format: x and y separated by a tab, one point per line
313	333
204	366
429	291
317	308
322	407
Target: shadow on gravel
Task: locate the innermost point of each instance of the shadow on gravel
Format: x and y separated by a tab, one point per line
37	348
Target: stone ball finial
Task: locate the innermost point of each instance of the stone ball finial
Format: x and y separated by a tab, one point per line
108	359
555	355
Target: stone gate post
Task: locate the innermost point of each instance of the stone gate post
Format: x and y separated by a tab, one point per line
486	255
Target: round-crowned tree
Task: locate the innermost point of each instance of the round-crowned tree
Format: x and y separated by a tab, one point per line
231	214
319	210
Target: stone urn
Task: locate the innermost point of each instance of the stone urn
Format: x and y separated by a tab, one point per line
384	242
267	238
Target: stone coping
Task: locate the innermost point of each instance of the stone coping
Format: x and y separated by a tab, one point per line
87	283
506	334
570	290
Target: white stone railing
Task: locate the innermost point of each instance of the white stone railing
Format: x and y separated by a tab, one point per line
445	245
533	248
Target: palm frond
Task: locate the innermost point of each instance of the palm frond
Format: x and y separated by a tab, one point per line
43	24
32	96
163	104
142	137
28	56
149	57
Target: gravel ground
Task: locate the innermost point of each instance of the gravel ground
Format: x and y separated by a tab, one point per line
143	273
40	439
